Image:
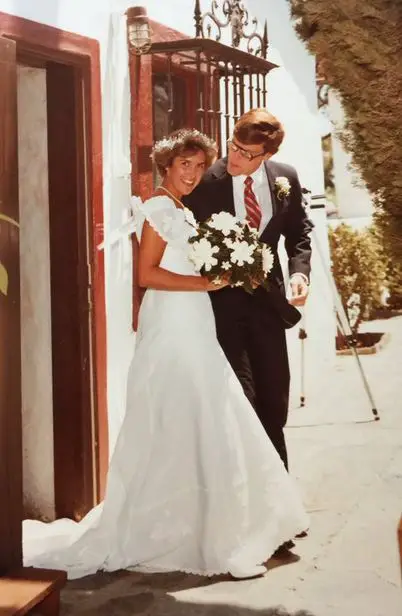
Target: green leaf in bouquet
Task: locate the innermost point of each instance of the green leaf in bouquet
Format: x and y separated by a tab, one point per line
3	280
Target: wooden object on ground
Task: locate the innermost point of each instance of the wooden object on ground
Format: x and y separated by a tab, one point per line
28	589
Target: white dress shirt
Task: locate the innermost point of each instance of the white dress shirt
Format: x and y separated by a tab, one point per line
260	188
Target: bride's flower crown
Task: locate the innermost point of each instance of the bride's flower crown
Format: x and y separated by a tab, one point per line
167	144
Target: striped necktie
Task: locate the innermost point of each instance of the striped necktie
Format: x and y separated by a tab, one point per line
253	209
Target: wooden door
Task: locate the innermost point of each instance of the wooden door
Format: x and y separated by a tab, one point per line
10	344
75	463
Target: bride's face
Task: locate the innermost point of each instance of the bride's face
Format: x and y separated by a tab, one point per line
185	173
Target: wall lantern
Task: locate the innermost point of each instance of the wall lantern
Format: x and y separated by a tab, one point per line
138	30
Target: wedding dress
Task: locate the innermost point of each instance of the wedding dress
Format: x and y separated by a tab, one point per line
194	482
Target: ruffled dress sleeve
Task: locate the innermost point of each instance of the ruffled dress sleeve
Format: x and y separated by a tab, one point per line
164	217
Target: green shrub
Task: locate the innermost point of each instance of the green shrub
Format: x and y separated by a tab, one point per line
394	286
359	270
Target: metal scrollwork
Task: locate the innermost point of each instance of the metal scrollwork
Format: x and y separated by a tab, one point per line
236	16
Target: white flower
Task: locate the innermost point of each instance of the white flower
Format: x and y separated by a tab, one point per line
353	300
353	308
267	259
226	265
253	231
238	284
228	242
282	186
201	254
242	253
224	222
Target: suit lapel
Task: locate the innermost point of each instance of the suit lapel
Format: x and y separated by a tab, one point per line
271	181
275	206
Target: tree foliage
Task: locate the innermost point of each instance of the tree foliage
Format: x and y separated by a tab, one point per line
358	45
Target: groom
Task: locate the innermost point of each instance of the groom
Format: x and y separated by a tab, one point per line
251	328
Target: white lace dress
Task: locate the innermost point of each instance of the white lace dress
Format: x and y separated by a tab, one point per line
194	482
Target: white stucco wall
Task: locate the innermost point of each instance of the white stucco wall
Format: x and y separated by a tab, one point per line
291	96
352	197
36	344
318	321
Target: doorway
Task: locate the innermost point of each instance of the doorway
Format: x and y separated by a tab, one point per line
62	326
58	398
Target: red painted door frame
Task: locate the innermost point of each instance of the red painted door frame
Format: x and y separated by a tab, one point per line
51	44
10	331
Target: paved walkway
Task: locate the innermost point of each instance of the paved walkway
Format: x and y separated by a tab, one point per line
350	470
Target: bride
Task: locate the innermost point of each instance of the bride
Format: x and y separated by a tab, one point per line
194	483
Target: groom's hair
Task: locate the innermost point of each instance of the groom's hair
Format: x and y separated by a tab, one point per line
259	127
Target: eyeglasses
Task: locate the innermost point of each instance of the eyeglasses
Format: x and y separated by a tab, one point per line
245	153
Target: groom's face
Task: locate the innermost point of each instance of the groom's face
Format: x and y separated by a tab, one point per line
244	159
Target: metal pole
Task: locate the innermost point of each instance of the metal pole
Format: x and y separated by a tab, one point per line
302	338
344	326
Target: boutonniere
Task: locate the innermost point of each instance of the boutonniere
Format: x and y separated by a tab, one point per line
282	186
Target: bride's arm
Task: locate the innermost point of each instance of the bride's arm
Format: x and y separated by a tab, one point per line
152	276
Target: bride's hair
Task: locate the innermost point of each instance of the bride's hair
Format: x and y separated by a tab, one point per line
181	142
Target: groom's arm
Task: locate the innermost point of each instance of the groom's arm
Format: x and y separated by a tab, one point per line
297	230
297	242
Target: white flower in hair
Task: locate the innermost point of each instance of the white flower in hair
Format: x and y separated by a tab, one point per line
169	143
224	222
282	185
201	254
242	253
164	144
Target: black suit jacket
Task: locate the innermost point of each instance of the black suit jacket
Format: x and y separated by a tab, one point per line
215	194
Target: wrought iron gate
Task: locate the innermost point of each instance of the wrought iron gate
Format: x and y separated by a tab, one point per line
227	80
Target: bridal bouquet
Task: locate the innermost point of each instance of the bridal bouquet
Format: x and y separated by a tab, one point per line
224	247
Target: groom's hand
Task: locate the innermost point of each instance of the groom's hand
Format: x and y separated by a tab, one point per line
299	290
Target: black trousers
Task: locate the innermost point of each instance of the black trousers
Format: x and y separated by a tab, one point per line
254	342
